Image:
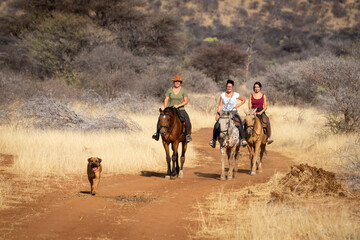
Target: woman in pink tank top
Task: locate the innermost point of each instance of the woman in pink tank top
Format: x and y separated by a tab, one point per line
257	101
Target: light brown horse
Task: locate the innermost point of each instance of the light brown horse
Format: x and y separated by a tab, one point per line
256	139
171	131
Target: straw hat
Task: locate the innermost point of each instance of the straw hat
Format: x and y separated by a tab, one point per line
177	78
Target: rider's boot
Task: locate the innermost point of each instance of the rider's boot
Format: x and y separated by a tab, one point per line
270	140
188	138
243	142
212	143
156	136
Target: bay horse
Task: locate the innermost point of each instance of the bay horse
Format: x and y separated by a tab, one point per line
256	139
229	144
171	131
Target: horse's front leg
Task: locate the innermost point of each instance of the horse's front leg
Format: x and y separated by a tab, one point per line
223	153
166	147
251	157
262	151
175	161
256	158
182	159
231	165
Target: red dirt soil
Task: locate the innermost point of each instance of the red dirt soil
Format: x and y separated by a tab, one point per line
144	206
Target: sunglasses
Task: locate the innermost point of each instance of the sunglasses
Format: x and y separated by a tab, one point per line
178	81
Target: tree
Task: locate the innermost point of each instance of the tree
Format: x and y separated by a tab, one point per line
218	61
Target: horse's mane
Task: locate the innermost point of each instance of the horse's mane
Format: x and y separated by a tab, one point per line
170	109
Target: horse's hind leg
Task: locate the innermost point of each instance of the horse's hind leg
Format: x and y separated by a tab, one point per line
166	146
223	153
182	158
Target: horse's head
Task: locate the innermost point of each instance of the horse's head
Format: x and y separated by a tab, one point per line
250	120
165	120
224	122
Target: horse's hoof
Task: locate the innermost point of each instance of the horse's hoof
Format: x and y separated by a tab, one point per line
222	178
230	177
252	173
259	170
181	174
167	177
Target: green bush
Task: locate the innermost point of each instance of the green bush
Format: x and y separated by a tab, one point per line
55	42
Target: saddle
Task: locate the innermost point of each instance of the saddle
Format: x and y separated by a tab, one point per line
264	120
182	120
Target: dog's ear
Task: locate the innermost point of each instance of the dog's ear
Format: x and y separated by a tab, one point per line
100	160
89	159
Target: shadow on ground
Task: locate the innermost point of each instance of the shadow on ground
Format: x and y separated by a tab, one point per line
152	174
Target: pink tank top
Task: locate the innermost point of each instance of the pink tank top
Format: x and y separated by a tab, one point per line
257	103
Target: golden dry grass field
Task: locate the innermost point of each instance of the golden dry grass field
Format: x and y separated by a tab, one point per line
248	213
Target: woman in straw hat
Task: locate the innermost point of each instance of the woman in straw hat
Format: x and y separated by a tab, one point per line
176	96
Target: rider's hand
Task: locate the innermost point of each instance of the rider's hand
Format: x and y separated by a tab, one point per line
176	106
216	117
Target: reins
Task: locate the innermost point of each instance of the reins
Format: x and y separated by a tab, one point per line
168	126
252	127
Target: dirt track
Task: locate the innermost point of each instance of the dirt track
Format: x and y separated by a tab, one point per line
145	206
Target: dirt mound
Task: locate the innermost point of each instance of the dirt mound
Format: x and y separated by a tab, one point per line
307	181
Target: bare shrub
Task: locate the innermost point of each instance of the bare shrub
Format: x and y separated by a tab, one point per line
206	104
338	79
253	5
350	170
338	11
15	86
156	79
196	81
218	61
108	69
285	85
46	112
132	103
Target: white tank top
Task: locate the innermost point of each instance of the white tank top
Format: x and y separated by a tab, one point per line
229	103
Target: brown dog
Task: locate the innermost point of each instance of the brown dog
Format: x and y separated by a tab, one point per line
94	169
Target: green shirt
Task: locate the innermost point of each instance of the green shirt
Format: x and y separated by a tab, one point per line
176	99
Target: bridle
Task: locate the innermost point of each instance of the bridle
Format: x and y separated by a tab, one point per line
227	123
168	125
252	126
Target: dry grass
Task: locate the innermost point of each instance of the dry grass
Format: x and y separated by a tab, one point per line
301	134
251	214
49	152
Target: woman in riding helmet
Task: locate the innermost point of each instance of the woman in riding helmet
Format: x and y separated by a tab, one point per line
228	103
177	97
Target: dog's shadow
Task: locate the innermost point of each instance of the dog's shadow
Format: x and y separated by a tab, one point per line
152	174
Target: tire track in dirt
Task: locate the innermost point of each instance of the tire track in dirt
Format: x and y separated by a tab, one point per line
145	206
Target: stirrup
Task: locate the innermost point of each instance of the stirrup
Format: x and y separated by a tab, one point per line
188	138
212	143
269	141
243	142
156	136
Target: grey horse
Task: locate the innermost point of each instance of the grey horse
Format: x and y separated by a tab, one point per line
229	144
